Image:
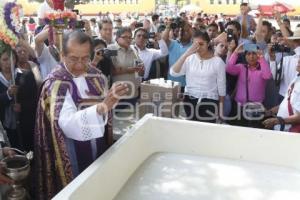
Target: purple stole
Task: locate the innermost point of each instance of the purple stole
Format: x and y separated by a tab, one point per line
58	160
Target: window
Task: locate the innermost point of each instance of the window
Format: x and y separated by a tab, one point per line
219	1
228	1
234	1
212	1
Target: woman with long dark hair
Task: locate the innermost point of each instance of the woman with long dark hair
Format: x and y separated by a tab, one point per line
205	79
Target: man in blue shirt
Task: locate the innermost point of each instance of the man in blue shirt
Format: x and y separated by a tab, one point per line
179	46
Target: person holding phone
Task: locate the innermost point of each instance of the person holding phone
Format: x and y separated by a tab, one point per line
102	61
125	68
147	55
252	78
245	19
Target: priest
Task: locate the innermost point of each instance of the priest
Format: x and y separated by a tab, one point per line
74	122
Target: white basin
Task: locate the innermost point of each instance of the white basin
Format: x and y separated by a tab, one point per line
164	159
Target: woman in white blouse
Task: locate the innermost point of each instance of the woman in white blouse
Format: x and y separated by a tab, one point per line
205	80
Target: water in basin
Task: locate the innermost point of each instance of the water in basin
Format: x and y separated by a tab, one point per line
170	176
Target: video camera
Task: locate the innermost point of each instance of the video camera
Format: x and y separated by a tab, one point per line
107	53
178	23
139	25
151	35
280	48
79	24
150	42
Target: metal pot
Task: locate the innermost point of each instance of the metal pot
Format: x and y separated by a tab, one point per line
17	168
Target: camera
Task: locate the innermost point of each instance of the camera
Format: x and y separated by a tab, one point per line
150	42
76	11
107	53
161	28
151	35
230	35
150	45
79	24
139	25
280	48
178	23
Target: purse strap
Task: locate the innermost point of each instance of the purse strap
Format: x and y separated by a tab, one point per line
247	84
278	73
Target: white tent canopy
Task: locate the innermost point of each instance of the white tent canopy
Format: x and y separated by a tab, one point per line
190	8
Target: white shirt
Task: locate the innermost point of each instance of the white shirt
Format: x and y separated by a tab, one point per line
80	125
43	9
107	42
47	62
204	78
278	57
295	102
153	28
149	55
289	72
95	30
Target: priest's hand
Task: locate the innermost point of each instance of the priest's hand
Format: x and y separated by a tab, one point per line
112	98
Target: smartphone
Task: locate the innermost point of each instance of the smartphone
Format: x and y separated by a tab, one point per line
138	63
230	35
139	25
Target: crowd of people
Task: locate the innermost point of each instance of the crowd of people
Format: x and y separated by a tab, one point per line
238	71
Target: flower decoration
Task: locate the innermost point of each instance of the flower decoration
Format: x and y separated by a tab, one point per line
58	19
10	23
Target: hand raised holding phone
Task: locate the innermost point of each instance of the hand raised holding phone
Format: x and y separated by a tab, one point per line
139	67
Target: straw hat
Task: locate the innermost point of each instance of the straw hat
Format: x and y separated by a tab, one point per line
296	35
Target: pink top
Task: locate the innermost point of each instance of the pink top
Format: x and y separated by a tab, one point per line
257	79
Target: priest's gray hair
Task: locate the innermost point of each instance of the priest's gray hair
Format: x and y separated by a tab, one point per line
79	36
